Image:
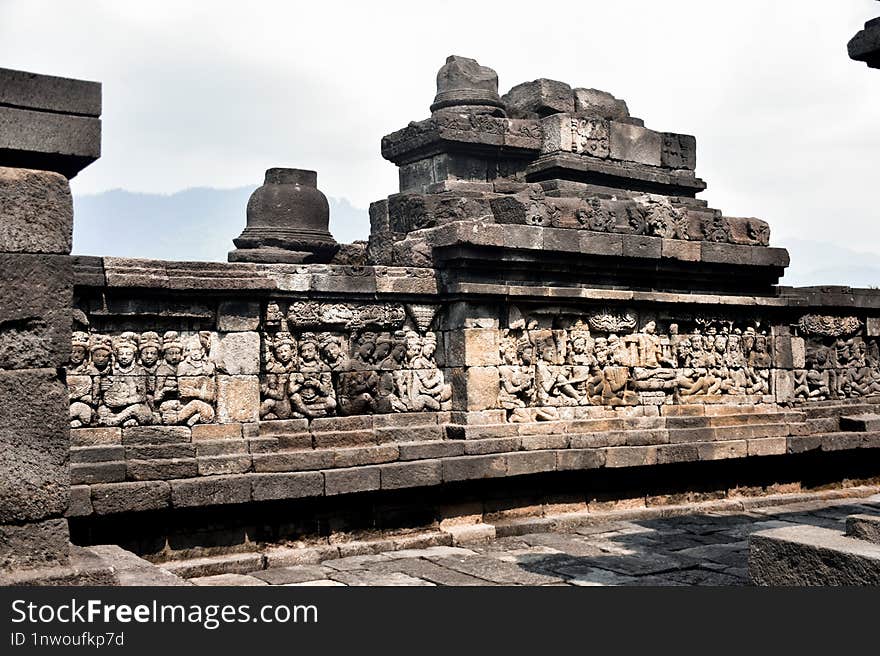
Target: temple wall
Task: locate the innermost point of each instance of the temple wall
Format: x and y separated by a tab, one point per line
240	383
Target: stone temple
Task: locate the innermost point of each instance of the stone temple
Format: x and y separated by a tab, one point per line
546	322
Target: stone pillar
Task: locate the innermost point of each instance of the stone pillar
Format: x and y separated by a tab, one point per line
49	131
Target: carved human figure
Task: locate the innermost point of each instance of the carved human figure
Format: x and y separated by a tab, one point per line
426	389
646	354
358	387
311	388
148	350
516	381
332	352
274	385
79	382
124	391
166	373
388	393
197	388
552	386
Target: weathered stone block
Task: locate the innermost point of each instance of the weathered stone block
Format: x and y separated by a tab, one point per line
37	544
369	455
292	461
530	462
216	432
580	459
211	491
768	446
632	143
474	447
112	498
600	243
48	141
474	388
783	385
469	347
431	450
238	316
153	470
411	474
723	450
287	486
35	310
80	501
346	481
147	435
593	102
474	467
95	436
630	456
811	555
641	246
238	399
33	445
238	353
864	527
96	454
224	464
49	93
679	151
36	212
152	451
679	249
570	134
538	99
97	472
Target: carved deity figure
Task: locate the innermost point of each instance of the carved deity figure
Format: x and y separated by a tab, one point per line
195	382
124	391
148	350
387	393
517	380
79	382
311	388
423	387
166	371
274	385
358	387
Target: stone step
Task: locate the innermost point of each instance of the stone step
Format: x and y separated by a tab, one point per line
860	423
836	409
864	527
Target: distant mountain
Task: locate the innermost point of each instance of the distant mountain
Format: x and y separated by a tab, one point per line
194	224
200	224
818	263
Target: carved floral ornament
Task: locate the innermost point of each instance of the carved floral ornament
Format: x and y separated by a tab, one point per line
828	326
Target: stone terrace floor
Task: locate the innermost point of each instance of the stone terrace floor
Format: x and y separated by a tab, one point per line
702	549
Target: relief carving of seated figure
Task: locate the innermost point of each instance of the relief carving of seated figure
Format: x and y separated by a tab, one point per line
552	385
426	387
818	376
648	361
165	396
863	377
311	388
124	391
517	381
197	388
148	350
79	382
358	388
273	388
388	394
586	377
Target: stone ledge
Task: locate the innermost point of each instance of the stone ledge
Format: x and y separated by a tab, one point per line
811	555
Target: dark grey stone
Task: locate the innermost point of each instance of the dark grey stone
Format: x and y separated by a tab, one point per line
538	99
287	221
37	544
34	442
357	479
35	316
48	141
811	555
286	486
864	527
211	491
111	498
464	85
36	211
49	93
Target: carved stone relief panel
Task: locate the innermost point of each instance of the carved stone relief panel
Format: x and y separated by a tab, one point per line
614	358
323	359
841	360
133	379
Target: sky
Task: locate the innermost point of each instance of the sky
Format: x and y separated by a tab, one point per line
210	94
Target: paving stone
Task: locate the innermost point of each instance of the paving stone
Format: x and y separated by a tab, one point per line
320	583
428	571
361	578
227	579
494	570
295	574
350	563
573	545
582	575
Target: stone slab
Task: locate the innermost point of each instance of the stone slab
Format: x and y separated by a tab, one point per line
49	93
864	527
36	211
811	555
